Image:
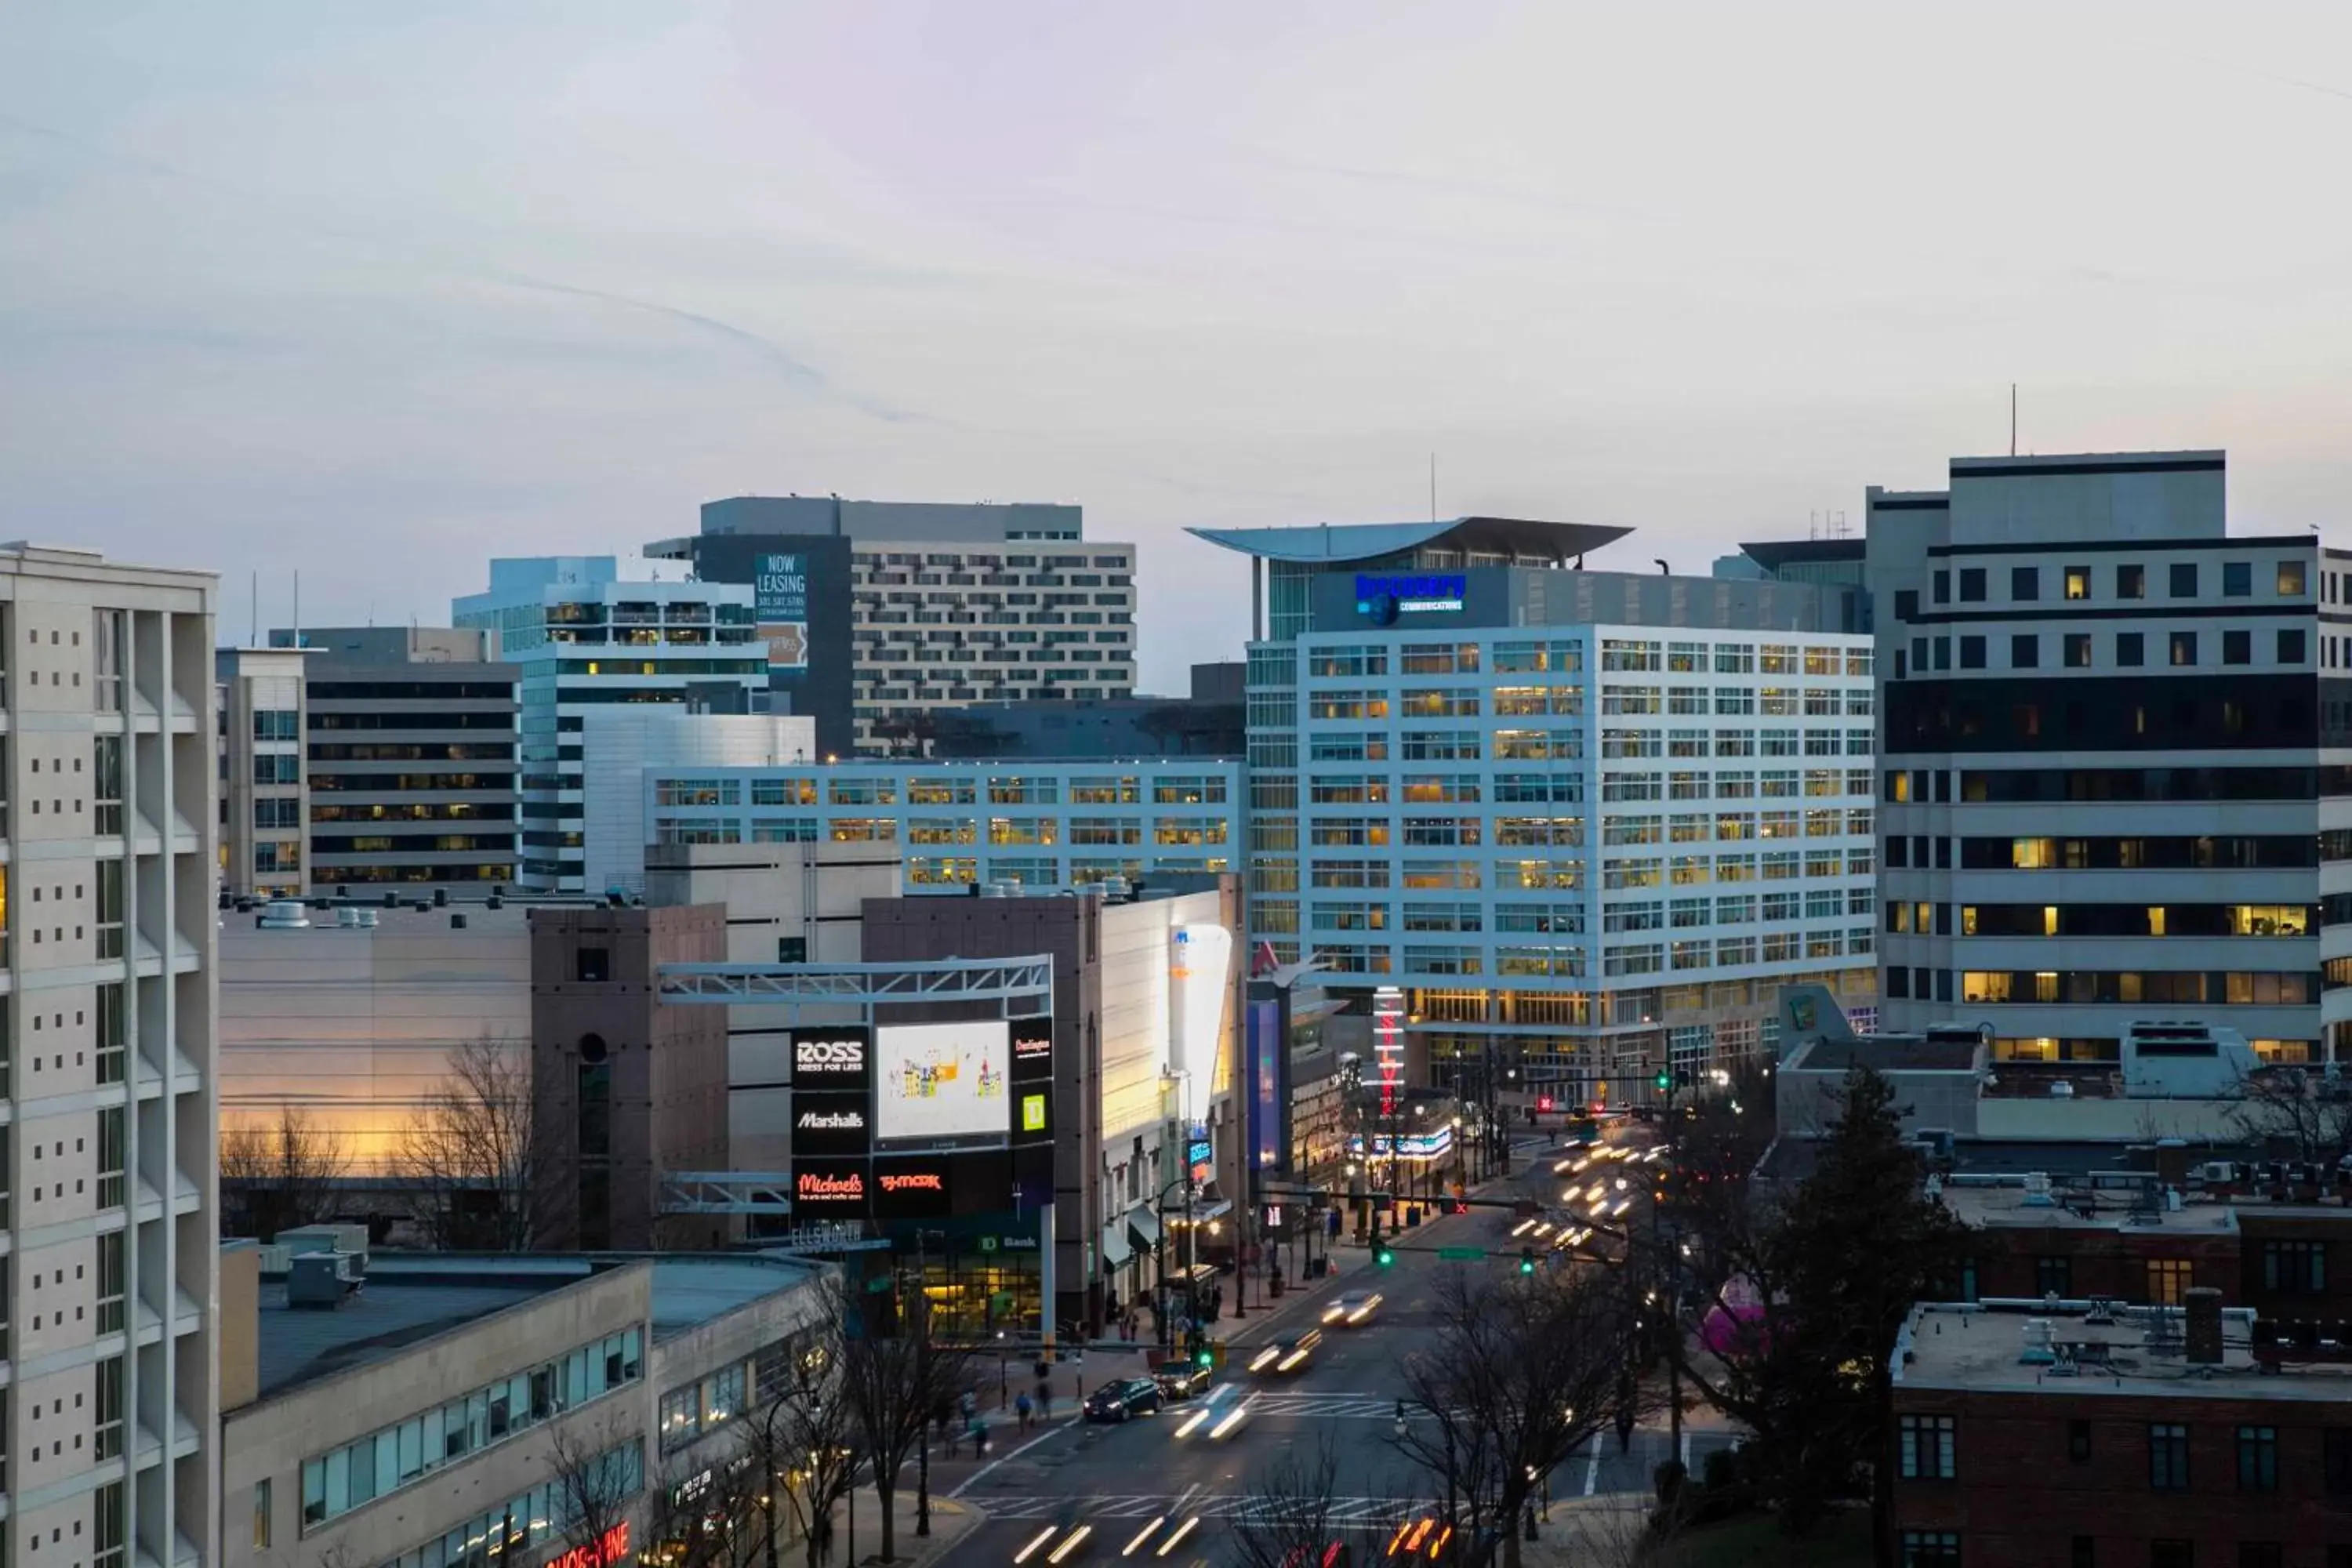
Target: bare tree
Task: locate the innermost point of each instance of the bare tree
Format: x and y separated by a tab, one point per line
474	1155
598	1469
1293	1513
1523	1371
893	1387
801	1436
282	1174
2304	1115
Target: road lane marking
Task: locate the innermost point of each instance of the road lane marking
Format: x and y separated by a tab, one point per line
1592	1471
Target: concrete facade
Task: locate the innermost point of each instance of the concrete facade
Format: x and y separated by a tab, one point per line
354	1026
625	1090
111	1424
786	903
264	798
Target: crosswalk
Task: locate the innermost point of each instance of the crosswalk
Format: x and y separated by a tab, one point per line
1206	1505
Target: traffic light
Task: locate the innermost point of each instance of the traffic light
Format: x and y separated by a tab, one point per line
1383	1254
1204	1356
1527	1260
1543	1102
1664	1081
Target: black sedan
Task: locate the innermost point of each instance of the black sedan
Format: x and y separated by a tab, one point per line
1118	1401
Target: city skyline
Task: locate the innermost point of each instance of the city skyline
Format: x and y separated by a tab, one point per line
461	285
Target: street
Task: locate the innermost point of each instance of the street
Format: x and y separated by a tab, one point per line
1119	1478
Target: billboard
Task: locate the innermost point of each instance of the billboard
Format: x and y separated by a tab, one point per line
939	1082
831	1124
780	601
833	1056
1033	1049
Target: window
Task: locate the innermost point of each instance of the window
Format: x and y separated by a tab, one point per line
2184	579
2237	579
2131	648
2078	1442
261	1515
2168	1456
1972	584
2024	651
1907	603
2294	1268
2166	1279
2084	1553
1928	1445
2131	582
592	965
2258	1458
2291	645
2336	1461
1972	653
2078	582
2290	579
2184	648
2260	1554
2171	1553
1943	587
2237	647
2053	1275
2078	650
2025	582
1930	1549
269	769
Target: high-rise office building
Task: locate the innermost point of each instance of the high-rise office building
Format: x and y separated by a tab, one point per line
408	737
264	798
1585	824
2112	789
584	632
876	614
112	1420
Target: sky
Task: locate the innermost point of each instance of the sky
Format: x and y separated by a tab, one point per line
371	293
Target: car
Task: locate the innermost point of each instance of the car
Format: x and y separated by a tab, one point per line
1287	1353
1352	1309
1215	1420
1130	1396
1181	1380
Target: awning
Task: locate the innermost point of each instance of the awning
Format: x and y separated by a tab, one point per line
1202	1212
1115	1249
1145	1226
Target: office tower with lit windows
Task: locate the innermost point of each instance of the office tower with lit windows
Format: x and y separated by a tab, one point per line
109	1417
1588	822
586	631
2115	774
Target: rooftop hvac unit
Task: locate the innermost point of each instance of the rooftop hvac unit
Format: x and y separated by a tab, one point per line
285	914
2037	1191
322	1281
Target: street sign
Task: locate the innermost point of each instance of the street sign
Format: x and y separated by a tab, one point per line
880	1283
1462	1254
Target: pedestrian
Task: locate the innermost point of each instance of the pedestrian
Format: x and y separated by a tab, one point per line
1022	1407
1624	1428
953	1436
824	1538
971	1404
978	1438
1044	1399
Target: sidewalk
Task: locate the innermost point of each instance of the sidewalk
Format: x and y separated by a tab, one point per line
858	1528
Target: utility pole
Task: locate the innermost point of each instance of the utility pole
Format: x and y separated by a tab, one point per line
922	1308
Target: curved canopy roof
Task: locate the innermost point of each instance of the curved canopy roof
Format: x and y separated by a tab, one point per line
1338	543
1773	554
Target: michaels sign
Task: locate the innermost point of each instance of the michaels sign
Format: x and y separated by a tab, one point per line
1382	597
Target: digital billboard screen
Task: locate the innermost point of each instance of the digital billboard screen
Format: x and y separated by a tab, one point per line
939	1082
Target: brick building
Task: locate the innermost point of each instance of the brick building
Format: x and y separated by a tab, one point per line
2029	1439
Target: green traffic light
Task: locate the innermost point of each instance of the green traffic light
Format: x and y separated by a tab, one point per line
1665	1080
1384	1256
1204	1358
1527	1260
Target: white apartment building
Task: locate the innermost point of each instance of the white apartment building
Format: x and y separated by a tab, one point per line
2116	783
1587	823
1041	824
109	1417
587	634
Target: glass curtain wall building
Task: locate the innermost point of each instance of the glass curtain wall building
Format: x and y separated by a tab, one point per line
1588	822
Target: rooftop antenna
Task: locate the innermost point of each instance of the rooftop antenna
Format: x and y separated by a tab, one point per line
2012	419
298	606
1433	486
256	641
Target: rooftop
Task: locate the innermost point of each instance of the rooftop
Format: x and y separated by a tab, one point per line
1983	1348
1337	544
1886	1053
413	1299
1774	555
